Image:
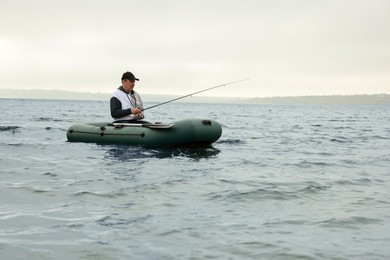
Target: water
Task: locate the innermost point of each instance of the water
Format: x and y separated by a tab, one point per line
283	182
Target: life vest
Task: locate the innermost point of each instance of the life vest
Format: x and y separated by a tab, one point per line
128	100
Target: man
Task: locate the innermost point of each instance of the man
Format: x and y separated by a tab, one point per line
126	105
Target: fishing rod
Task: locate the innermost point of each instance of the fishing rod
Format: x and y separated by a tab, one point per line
189	95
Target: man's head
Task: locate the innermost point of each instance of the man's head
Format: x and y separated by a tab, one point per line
128	81
129	76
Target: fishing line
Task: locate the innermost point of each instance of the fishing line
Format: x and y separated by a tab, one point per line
189	95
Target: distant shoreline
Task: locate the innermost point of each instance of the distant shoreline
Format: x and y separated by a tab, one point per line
371	99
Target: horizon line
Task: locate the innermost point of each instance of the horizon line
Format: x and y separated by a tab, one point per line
200	96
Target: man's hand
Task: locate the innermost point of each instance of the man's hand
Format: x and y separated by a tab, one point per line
136	111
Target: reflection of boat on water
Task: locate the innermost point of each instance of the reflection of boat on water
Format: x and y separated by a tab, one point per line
179	133
127	153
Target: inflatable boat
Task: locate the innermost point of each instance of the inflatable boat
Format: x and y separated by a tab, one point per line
183	132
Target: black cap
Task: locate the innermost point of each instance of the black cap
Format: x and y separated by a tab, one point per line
130	76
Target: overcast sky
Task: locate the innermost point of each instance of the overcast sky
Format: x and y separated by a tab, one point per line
285	47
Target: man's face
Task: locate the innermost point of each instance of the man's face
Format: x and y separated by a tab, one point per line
128	85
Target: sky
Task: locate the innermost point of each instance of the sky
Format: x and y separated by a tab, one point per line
285	48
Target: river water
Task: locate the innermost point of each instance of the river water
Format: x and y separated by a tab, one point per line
282	182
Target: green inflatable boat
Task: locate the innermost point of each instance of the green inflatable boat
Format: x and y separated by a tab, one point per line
183	132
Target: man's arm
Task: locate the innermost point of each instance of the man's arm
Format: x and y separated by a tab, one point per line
116	108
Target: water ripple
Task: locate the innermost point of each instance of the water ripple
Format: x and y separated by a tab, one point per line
101	195
231	141
253	195
350	223
116	222
12	129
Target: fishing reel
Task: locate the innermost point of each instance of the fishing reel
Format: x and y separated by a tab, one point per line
140	116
